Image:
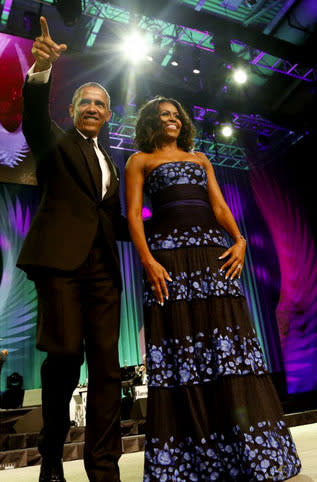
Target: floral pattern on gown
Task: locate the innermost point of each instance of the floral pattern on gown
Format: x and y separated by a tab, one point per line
213	413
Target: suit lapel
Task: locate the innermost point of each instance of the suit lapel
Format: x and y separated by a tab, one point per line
85	167
84	171
75	151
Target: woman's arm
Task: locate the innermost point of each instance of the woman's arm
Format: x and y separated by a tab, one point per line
226	220
134	180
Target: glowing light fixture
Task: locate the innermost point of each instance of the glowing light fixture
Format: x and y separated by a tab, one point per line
240	76
136	47
176	56
227	130
196	61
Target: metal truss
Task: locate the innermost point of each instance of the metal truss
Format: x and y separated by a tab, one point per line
274	64
255	122
225	155
230	154
170	34
249	122
121	135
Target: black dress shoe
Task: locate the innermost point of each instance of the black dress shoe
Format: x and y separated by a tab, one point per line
51	471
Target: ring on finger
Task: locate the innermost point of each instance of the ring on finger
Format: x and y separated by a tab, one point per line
153	288
239	266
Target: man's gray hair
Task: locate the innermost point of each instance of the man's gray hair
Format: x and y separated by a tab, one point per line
90	84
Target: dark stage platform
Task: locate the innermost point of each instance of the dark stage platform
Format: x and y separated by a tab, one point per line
20	430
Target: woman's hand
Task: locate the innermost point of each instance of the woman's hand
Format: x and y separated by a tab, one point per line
156	275
236	261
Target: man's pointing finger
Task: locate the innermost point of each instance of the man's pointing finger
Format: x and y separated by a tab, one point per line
44	27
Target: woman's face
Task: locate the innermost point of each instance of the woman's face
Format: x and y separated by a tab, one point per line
170	119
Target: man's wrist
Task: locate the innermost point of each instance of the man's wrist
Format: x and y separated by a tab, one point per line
42	66
41	77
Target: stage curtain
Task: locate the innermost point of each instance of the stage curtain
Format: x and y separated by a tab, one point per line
18	305
260	277
18	204
131	310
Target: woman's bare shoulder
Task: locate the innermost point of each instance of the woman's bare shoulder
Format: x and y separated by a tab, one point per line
203	159
137	160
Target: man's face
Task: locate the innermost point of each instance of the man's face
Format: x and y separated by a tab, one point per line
90	111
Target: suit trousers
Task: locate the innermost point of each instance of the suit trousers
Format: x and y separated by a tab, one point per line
80	311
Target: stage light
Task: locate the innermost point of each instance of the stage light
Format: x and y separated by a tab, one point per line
175	59
240	76
136	47
196	61
227	130
13	396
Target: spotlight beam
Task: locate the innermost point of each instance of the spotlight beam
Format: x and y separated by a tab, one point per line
135	47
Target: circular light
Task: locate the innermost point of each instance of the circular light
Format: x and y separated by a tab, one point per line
227	130
196	71
175	63
240	76
135	47
149	58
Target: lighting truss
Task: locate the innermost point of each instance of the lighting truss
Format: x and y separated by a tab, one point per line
248	122
266	61
221	154
170	34
255	122
7	4
122	131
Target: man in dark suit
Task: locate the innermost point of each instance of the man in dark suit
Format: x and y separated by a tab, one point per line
70	252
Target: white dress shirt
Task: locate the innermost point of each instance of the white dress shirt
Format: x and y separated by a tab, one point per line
43	78
105	171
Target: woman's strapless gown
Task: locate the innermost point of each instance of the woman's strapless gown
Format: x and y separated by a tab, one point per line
213	413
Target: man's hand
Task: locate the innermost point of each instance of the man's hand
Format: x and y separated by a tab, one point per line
45	51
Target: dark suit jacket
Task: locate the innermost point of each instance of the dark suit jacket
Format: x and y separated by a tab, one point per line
65	226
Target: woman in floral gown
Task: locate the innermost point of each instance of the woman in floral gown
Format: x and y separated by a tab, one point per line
213	413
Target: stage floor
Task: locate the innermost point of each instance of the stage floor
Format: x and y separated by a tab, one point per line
131	465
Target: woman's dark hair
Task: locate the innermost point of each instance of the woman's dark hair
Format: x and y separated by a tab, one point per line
149	132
